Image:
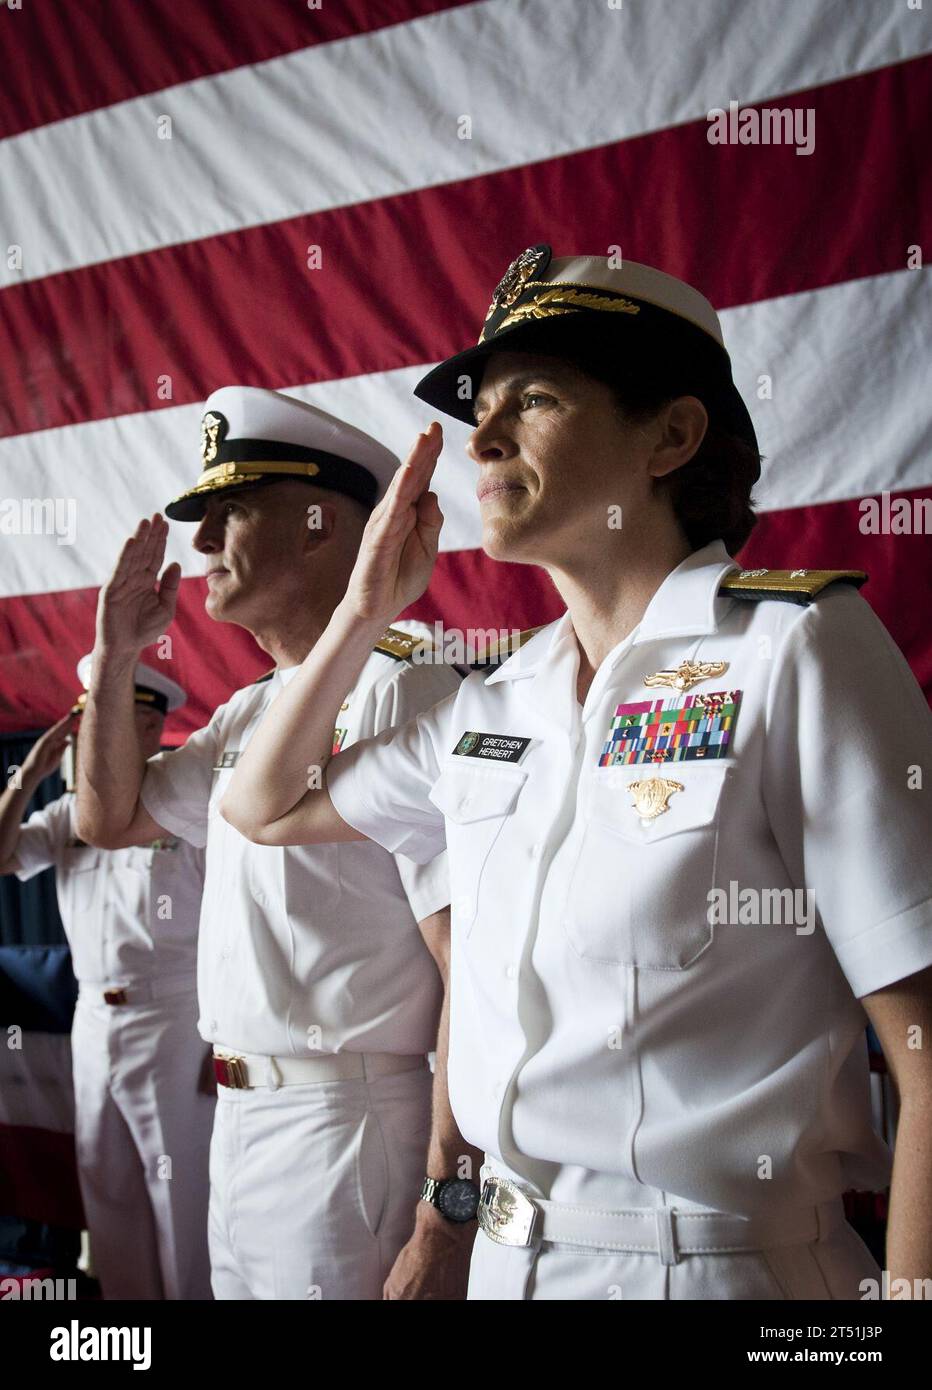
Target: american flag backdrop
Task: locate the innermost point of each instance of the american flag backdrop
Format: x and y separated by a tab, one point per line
320	197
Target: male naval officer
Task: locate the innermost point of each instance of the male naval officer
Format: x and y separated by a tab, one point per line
671	1091
142	1118
317	989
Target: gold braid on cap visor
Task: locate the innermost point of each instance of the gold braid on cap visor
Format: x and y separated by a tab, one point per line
222	473
564	299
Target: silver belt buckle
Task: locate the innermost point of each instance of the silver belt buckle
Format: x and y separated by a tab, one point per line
505	1214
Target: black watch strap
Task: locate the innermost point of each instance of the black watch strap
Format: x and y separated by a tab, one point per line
457	1199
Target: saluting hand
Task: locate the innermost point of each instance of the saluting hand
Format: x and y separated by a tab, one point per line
46	753
399	544
136	607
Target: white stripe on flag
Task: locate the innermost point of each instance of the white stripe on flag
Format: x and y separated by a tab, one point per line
842	422
378	114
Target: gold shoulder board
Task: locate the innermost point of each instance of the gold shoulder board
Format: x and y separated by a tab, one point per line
400	645
501	651
790	586
267	677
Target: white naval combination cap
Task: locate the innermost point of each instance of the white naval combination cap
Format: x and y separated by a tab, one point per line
251	436
152	688
635	322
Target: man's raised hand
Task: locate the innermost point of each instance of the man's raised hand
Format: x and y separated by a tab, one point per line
135	606
46	753
399	544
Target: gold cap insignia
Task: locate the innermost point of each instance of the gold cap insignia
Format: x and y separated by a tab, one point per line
652	795
213	430
522	269
687	674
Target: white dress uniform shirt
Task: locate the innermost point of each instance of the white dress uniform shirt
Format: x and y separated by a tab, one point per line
129	914
131	918
610	1040
307	949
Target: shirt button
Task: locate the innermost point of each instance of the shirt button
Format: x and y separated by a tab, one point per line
536	850
511	971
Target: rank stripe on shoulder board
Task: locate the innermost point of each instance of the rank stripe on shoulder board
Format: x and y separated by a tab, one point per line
400	645
790	586
501	651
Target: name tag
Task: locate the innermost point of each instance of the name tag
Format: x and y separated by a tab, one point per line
228	758
500	748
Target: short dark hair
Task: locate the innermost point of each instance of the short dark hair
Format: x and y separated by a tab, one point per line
711	494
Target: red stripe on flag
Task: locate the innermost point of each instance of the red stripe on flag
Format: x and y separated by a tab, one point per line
49	632
406	280
39	1176
65	59
42	637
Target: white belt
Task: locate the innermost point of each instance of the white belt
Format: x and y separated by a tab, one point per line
139	992
509	1216
243	1070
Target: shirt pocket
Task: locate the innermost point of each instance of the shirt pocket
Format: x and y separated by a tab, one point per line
476	803
135	874
79	865
638	892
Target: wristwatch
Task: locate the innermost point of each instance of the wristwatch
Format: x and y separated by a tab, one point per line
455	1198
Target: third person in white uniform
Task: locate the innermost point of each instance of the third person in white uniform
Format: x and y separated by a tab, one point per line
143	1104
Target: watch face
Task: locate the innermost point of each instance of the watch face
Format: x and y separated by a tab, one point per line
458	1199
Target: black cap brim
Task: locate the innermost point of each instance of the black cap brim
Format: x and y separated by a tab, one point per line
687	356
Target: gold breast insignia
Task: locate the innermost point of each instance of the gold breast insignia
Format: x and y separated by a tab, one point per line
652	795
687	674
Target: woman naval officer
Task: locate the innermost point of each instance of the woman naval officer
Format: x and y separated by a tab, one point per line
688	858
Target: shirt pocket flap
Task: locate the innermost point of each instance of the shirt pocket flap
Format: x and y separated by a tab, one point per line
467	793
690	806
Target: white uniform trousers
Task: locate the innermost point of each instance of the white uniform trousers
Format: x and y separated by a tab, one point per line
142	1133
314	1187
830	1267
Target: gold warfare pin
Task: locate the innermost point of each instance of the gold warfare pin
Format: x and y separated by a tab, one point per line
687	674
652	796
